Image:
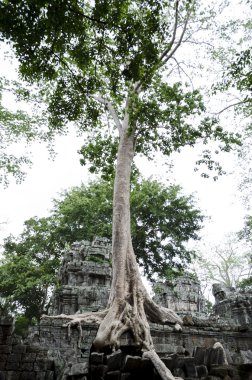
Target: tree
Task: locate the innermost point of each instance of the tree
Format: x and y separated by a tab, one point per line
14	126
28	268
86	211
230	263
111	57
246	235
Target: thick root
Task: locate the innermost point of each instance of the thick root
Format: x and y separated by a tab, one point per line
162	370
159	314
120	318
89	317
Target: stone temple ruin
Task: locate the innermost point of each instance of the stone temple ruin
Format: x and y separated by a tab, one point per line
195	352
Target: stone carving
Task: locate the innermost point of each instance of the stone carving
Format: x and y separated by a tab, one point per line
182	294
233	305
84	278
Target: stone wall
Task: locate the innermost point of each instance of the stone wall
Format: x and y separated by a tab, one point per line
52	351
22	361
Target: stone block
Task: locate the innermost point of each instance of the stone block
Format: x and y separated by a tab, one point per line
49	375
114	361
12	375
40	375
28	376
113	375
2	365
98	371
40	365
26	366
189	366
14	358
19	349
4	349
96	358
221	371
12	366
200	356
202	370
246	356
79	369
2	375
28	357
126	376
132	363
33	348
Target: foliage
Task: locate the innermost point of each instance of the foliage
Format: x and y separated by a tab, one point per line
22	324
28	267
90	56
14	126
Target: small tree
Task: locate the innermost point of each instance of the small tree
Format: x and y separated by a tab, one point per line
230	263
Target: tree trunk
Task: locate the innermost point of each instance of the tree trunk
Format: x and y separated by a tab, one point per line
129	304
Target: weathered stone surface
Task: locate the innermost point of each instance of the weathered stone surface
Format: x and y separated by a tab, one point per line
98	371
96	358
182	295
233	305
113	375
26	366
28	376
202	371
132	363
85	284
114	361
246	356
40	375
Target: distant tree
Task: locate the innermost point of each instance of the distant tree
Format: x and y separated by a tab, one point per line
228	263
28	268
15	127
246	235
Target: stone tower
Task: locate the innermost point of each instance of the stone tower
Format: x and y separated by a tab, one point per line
182	294
84	278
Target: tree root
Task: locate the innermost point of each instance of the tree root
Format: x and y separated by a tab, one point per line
161	368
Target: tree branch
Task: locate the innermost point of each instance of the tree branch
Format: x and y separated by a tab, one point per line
233	105
166	56
174	32
90	18
111	109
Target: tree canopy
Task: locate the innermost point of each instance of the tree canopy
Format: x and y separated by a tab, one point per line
112	49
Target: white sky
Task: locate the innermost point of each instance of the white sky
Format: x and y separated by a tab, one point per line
217	199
